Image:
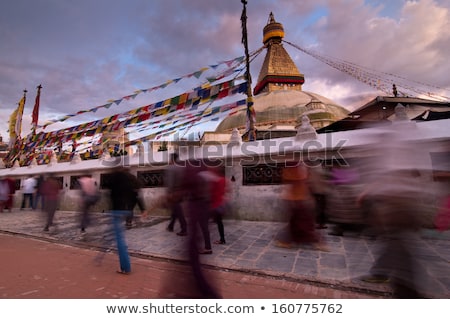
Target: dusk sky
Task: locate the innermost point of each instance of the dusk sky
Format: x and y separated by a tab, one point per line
86	52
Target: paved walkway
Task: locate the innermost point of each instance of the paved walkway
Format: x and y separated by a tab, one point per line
250	248
60	271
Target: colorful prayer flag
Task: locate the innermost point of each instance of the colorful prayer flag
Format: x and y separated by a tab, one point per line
15	120
35	115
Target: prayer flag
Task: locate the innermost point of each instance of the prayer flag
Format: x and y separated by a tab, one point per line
35	116
15	121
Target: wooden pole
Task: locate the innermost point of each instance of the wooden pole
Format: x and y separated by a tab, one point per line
250	110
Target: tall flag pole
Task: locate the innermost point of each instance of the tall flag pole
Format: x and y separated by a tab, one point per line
18	127
35	116
251	116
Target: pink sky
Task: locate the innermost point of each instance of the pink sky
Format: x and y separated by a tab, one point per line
85	53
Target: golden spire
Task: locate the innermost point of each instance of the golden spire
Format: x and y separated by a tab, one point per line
278	71
273	30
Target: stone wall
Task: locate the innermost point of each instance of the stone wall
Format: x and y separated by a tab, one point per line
252	169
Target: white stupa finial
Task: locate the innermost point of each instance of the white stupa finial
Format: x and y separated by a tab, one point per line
76	159
305	131
235	139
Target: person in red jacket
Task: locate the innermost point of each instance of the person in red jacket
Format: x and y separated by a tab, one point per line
218	201
12	190
50	189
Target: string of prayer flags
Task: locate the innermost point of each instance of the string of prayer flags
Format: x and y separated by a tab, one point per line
196	74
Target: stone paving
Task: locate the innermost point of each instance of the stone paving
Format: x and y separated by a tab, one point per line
250	248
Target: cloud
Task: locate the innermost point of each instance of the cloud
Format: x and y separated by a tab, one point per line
412	46
87	52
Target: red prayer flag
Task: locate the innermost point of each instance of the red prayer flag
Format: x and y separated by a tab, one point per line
35	117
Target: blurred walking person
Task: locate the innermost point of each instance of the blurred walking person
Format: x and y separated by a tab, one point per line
318	185
395	217
38	196
12	190
89	197
173	181
219	204
442	218
198	213
394	187
28	190
4	193
50	190
138	201
123	199
197	188
300	206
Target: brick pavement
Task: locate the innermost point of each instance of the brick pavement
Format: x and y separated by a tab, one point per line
33	268
250	251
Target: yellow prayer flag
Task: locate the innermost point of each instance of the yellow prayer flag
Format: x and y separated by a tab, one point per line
183	98
15	120
207	111
12	124
161	111
167	102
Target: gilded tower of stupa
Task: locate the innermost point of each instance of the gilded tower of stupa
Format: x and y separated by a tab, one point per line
279	99
278	71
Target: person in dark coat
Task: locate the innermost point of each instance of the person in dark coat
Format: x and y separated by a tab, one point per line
137	185
198	213
38	195
123	196
173	180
